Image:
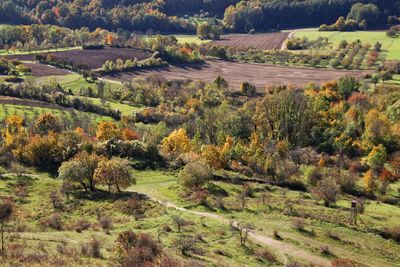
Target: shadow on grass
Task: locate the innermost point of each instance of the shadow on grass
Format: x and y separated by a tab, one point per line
103	195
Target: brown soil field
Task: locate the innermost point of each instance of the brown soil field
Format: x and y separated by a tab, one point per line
235	73
41	70
94	58
262	41
7	100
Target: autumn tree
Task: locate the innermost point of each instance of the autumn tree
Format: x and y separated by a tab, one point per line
377	127
108	130
136	249
14	134
47	123
285	115
115	172
81	170
327	190
195	174
175	144
43	152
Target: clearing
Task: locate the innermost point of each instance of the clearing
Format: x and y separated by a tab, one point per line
235	73
262	41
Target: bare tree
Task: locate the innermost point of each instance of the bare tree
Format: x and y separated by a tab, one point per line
243	230
185	244
179	222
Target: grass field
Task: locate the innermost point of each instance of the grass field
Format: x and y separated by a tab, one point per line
390	45
214	236
358	243
183	39
17	52
31	113
75	82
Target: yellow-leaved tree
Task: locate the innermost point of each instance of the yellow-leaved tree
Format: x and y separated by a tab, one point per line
15	134
108	130
175	144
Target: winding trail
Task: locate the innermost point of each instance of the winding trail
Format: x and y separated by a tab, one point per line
283	248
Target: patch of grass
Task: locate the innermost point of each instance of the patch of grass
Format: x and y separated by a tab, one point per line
391	46
360	243
17	52
31	113
182	39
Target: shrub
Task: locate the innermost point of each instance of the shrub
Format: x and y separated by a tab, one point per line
391	233
265	255
54	221
105	222
299	224
82	225
137	250
195	174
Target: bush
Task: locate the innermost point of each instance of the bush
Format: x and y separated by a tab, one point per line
54	221
105	222
195	174
265	255
391	233
299	224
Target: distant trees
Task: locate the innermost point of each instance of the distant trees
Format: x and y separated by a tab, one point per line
207	31
285	115
365	12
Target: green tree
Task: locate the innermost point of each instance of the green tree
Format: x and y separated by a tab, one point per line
195	174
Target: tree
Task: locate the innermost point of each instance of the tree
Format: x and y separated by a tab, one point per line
368	12
327	190
346	86
195	174
377	127
175	144
108	130
185	244
43	152
243	230
179	222
115	172
247	89
47	123
14	133
81	170
207	31
285	115
377	157
6	213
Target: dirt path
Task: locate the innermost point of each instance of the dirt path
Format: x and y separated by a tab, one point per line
283	248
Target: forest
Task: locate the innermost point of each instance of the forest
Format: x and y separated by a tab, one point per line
182	16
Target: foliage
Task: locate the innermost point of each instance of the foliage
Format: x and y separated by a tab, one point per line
195	174
115	172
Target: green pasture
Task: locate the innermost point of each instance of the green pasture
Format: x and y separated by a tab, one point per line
390	45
